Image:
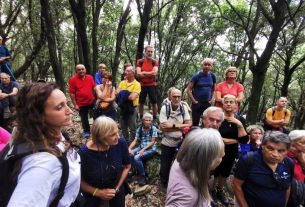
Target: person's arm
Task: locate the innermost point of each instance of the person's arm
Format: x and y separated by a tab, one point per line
218	96
131	146
190	93
14	92
73	99
150	144
240	97
112	96
133	96
238	191
227	141
104	194
270	121
123	177
287	117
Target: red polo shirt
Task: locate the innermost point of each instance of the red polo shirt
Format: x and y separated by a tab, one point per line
83	89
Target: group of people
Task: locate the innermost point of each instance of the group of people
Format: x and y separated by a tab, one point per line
193	148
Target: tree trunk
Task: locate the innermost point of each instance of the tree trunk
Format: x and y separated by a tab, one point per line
259	70
119	39
96	10
47	17
79	17
145	18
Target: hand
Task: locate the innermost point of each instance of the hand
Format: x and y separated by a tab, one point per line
2	59
166	125
141	152
109	83
105	194
233	120
76	107
195	102
3	96
130	152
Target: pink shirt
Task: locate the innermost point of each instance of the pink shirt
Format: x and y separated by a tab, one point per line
224	90
4	138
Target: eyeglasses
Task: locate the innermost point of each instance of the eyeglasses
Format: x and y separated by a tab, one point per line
207	64
232	71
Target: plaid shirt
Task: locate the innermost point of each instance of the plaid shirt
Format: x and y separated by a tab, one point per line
145	139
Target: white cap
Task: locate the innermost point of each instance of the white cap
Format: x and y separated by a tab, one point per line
296	134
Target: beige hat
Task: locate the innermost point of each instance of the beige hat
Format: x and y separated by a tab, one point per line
296	134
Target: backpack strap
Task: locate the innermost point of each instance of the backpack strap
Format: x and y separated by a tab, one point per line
63	180
140	131
168	110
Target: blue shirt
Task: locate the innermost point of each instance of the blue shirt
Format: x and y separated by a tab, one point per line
203	86
98	78
4	51
262	186
146	138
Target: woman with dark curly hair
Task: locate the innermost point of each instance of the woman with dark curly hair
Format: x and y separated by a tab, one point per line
41	113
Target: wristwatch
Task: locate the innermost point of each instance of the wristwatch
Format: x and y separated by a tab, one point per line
174	126
117	191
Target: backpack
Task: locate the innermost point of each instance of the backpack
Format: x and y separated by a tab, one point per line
141	131
10	157
266	126
168	109
197	79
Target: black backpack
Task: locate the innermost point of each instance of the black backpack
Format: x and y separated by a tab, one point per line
266	126
141	131
10	157
168	109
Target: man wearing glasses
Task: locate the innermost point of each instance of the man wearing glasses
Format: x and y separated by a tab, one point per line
200	90
173	118
264	177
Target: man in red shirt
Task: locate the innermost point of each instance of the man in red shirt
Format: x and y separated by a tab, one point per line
81	88
147	71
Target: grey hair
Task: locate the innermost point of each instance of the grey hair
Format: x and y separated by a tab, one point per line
147	115
196	156
295	135
276	137
213	109
228	96
208	59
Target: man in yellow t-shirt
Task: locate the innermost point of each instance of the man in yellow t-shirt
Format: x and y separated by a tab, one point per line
278	117
128	124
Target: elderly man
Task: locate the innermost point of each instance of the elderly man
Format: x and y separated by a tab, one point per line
212	117
81	87
147	71
200	90
128	101
5	55
145	136
8	92
278	117
174	116
99	74
263	178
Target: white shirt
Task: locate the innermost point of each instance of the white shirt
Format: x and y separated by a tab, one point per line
39	179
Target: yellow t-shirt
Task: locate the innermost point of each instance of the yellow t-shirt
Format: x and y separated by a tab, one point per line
278	115
134	86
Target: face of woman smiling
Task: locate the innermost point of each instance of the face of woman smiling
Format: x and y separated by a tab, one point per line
57	113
